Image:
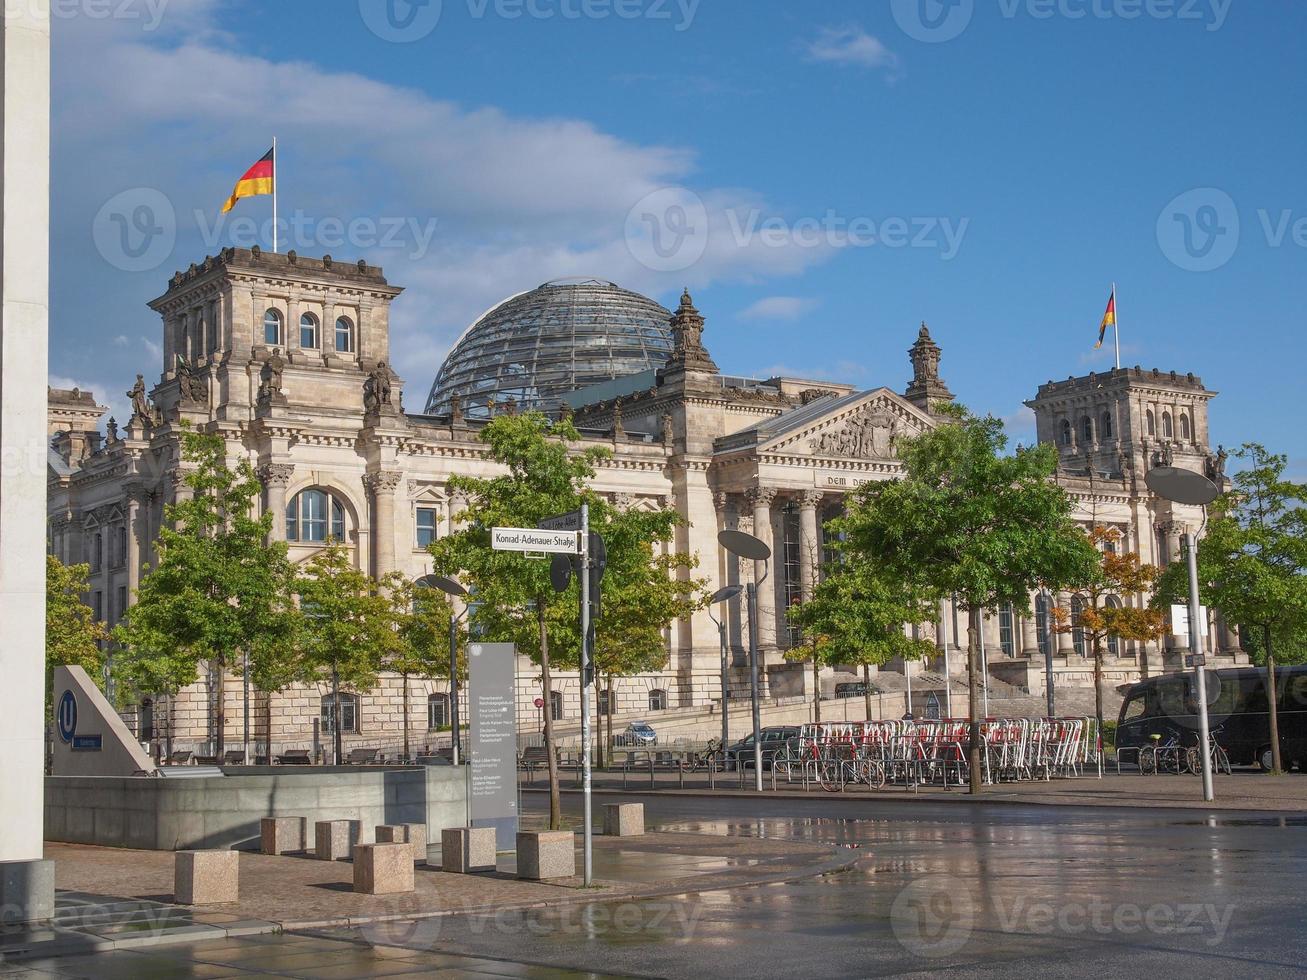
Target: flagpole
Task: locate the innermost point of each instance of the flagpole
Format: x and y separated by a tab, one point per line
274	203
1116	323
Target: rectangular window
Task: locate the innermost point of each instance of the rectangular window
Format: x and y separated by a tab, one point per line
426	526
349	718
313	515
790	526
97	607
438	712
122	601
1006	639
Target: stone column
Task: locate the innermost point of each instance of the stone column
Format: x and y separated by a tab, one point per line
137	534
1030	631
760	498
26	880
276	478
382	486
809	542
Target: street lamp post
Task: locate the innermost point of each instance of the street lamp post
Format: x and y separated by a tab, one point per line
725	594
1048	654
454	590
746	546
1188	487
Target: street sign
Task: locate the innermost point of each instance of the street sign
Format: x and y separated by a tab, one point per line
539	702
563	522
1195	660
560	572
533	539
1180	619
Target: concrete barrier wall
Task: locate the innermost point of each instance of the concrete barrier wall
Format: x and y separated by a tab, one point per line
165	814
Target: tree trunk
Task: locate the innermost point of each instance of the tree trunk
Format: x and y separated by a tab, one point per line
973	699
404	679
546	682
866	687
1272	696
220	709
171	715
608	717
816	688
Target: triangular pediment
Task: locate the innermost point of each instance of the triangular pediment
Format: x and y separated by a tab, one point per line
864	427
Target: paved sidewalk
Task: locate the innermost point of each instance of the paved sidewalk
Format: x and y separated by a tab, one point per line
1244	790
117	899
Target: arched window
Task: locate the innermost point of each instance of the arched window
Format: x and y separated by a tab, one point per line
1113	642
437	712
556	705
272	334
604	703
1006	633
658	700
1064	436
1168	430
1106	427
1077	631
1152	423
309	331
1087	429
349	714
314	515
1186	430
344	335
1042	623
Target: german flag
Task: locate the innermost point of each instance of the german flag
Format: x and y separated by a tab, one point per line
259	179
1109	320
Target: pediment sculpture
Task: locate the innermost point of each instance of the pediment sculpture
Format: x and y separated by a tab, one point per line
870	434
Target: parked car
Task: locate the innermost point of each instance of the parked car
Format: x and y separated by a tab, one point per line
854	689
774	738
638	733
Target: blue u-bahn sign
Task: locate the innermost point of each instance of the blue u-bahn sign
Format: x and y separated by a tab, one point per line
66	716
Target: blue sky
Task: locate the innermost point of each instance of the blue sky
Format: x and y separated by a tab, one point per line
823	175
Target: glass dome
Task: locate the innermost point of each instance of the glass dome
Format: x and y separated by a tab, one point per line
540	345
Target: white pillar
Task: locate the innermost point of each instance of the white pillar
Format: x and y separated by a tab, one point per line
761	498
382	484
809	542
26	882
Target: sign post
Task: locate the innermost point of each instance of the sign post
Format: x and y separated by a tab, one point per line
492	795
586	672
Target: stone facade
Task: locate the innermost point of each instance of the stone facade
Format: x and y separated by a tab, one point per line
286	358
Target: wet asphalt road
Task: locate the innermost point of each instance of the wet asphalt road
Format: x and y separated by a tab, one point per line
949	889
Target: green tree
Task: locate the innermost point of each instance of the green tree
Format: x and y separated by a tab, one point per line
349	629
220	588
859	615
515	602
968	520
72	633
422	615
642	592
1126	578
1252	564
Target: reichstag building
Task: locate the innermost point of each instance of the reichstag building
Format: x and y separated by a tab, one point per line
288	358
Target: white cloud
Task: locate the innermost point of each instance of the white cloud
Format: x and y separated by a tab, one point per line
121	340
517	201
851	45
778	308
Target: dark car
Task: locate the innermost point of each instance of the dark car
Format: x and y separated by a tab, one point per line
774	739
1238	711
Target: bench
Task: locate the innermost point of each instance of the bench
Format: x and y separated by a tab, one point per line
361	757
533	757
233	757
180	758
654	761
295	757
